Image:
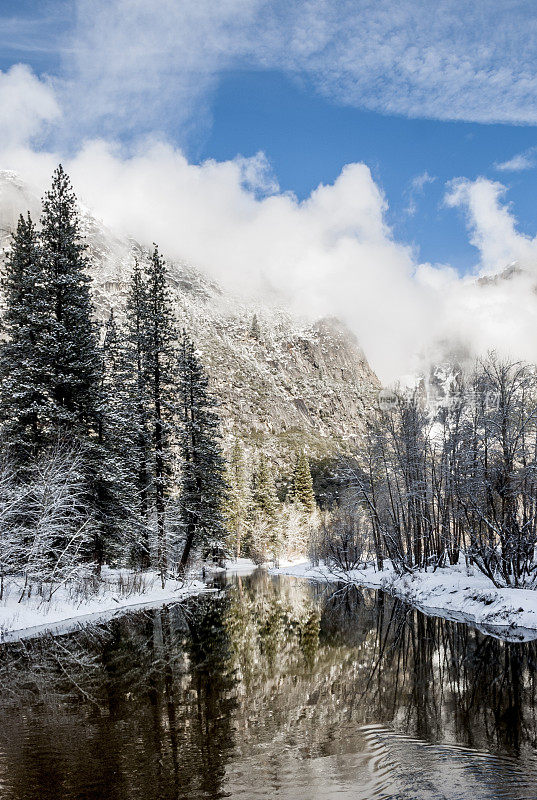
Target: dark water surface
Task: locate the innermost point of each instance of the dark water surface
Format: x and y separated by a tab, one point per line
272	688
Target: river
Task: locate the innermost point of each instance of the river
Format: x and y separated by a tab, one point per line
269	687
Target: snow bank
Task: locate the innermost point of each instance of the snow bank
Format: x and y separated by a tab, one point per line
35	615
457	593
234	565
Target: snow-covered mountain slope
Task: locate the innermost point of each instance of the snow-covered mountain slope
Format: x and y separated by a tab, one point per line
297	384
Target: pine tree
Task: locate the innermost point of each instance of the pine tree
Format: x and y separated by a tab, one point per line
74	359
255	330
202	481
158	336
116	487
303	483
136	401
74	365
263	523
24	388
264	496
237	500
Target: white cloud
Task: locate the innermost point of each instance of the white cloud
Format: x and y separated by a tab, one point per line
27	104
448	60
491	225
332	253
419	182
519	162
498	311
257	174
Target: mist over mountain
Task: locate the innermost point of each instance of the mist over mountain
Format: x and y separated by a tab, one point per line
293	383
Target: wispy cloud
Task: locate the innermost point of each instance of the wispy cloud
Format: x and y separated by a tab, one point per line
145	65
37	29
417	187
519	162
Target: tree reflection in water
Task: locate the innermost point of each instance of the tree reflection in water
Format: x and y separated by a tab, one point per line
185	701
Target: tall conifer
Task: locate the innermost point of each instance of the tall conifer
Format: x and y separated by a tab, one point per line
74	359
202	481
158	336
137	403
303	483
237	500
24	387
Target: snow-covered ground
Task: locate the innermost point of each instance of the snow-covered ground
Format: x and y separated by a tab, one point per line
456	592
236	566
117	592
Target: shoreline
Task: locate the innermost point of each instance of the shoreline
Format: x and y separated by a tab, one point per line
35	616
455	593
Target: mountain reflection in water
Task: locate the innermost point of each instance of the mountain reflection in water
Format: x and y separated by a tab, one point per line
269	688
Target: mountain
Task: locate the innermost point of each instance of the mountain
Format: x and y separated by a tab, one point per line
292	384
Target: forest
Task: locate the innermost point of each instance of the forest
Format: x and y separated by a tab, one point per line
112	453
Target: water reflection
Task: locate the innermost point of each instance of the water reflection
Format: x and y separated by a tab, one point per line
272	688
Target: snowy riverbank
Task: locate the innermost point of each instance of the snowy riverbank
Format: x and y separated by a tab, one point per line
119	591
456	593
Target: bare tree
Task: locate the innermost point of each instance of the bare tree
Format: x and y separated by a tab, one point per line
53	525
457	479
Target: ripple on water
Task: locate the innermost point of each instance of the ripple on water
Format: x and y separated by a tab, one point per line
391	766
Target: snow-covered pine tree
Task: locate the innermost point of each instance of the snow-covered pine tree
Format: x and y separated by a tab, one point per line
255	330
264	496
202	482
237	500
158	336
24	349
303	483
263	527
74	368
116	489
74	364
136	401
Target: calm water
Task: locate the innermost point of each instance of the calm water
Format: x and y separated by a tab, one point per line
271	688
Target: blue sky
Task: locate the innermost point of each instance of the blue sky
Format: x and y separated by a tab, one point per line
309	132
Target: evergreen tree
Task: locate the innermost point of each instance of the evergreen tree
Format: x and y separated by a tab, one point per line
264	496
74	364
303	483
136	401
255	330
237	500
202	481
24	388
157	339
263	523
116	487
